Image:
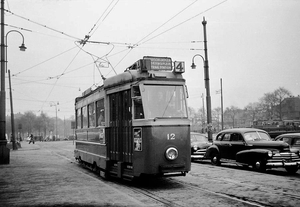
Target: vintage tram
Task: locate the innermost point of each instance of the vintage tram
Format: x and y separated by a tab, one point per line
136	123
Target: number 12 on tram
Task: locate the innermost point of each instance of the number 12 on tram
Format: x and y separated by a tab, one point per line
136	123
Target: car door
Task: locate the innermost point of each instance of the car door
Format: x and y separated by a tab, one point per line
224	145
237	144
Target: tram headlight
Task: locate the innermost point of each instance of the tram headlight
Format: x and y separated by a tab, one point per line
171	153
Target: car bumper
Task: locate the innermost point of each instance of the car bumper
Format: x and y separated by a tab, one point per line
199	154
283	164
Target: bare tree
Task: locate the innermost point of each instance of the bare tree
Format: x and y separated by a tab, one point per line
216	114
253	111
280	94
231	113
28	120
268	103
272	103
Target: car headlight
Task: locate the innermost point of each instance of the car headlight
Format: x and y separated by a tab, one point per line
270	153
195	147
171	153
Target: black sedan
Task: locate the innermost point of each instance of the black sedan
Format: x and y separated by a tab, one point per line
253	147
199	144
293	139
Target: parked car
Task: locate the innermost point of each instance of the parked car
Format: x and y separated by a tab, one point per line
199	144
253	147
293	139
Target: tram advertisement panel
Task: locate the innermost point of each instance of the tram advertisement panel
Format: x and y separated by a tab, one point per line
137	139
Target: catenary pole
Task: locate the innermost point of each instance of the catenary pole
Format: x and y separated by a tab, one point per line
4	151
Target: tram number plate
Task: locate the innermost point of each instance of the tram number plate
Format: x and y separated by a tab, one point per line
171	136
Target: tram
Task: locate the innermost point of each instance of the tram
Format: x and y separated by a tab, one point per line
278	127
136	123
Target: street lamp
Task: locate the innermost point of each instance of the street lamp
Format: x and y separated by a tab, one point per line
22	48
55	104
4	154
206	79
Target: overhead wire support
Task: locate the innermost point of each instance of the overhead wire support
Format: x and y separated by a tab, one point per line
86	38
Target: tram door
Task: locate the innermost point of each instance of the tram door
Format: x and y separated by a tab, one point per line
119	138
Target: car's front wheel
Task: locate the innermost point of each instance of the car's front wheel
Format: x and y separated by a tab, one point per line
259	165
215	159
291	169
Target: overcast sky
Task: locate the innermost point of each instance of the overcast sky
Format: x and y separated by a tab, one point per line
252	45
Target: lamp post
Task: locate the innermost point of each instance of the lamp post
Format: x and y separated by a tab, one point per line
22	48
55	104
206	80
4	151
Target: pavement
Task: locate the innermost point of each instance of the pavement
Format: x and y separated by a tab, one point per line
38	176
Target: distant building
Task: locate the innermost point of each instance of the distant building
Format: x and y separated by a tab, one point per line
291	108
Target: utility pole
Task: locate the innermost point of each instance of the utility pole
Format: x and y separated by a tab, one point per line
206	78
13	137
222	117
4	151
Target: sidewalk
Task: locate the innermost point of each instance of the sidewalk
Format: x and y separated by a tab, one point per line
37	176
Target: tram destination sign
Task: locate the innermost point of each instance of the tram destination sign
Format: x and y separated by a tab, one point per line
160	63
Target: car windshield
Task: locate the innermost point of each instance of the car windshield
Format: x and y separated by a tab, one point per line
198	138
256	136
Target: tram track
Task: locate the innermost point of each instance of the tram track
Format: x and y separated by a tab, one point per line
266	186
153	195
93	175
263	188
227	196
163	195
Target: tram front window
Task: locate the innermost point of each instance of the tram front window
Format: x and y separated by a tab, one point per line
164	101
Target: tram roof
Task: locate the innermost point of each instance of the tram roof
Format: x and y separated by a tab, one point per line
148	68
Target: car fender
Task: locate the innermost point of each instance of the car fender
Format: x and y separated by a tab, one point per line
211	151
252	155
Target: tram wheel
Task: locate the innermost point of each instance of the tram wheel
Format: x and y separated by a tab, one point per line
103	174
94	167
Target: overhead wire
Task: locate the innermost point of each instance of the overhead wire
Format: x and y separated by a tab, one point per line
185	21
137	44
102	16
92	31
166	22
83	42
44	61
45	26
140	42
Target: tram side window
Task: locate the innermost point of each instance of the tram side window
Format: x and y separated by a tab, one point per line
137	103
78	118
84	117
91	110
100	115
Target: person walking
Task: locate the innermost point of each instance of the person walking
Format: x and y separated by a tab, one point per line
31	139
